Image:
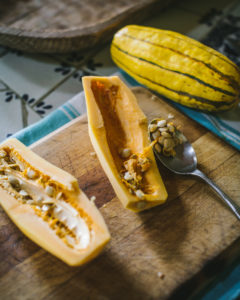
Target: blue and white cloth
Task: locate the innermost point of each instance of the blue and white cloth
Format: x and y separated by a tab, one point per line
61	116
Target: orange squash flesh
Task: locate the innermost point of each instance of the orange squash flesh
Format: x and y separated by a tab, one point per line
116	122
47	205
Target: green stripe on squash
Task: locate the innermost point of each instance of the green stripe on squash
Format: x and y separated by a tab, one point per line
178	72
184	98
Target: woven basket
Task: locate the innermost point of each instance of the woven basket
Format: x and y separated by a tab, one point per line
64	26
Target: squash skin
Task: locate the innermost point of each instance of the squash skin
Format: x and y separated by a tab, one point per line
177	67
38	230
98	134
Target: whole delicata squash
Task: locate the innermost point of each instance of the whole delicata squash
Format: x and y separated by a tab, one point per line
119	134
46	203
178	67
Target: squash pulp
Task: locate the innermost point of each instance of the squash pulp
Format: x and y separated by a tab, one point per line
119	134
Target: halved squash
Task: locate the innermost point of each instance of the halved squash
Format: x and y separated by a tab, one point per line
46	203
118	131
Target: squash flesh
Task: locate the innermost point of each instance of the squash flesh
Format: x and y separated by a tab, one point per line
116	122
111	111
64	223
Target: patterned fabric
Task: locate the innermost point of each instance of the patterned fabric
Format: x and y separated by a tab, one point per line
65	113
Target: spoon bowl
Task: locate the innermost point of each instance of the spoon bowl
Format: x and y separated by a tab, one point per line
185	160
185	163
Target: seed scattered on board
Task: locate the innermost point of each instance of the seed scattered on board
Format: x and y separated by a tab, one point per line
93	198
160	275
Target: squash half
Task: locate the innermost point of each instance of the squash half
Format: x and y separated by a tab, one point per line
119	134
47	205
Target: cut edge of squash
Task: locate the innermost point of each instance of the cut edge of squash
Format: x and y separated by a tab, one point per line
98	136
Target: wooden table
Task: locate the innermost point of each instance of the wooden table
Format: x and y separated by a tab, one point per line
169	251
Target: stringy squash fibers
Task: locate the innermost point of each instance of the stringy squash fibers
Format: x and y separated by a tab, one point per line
178	67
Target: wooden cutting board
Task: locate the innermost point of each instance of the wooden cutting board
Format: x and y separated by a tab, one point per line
51	26
161	253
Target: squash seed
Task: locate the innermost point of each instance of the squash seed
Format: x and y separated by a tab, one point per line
128	176
161	123
152	127
168	143
3	153
125	153
23	193
139	194
167	152
163	129
49	190
93	198
45	207
171	128
30	202
13	181
166	134
155	135
161	140
31	174
170	116
160	275
39	199
158	148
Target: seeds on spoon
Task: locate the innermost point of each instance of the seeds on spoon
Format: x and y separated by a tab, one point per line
153	127
161	140
156	134
161	123
163	129
165	136
171	127
168	143
158	148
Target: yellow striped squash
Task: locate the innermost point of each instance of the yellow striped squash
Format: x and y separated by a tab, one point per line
177	67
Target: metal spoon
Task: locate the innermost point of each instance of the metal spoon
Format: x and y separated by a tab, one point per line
185	163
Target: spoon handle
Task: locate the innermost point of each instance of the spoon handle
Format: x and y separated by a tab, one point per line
232	205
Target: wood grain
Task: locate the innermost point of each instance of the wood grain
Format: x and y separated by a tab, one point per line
68	25
178	239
